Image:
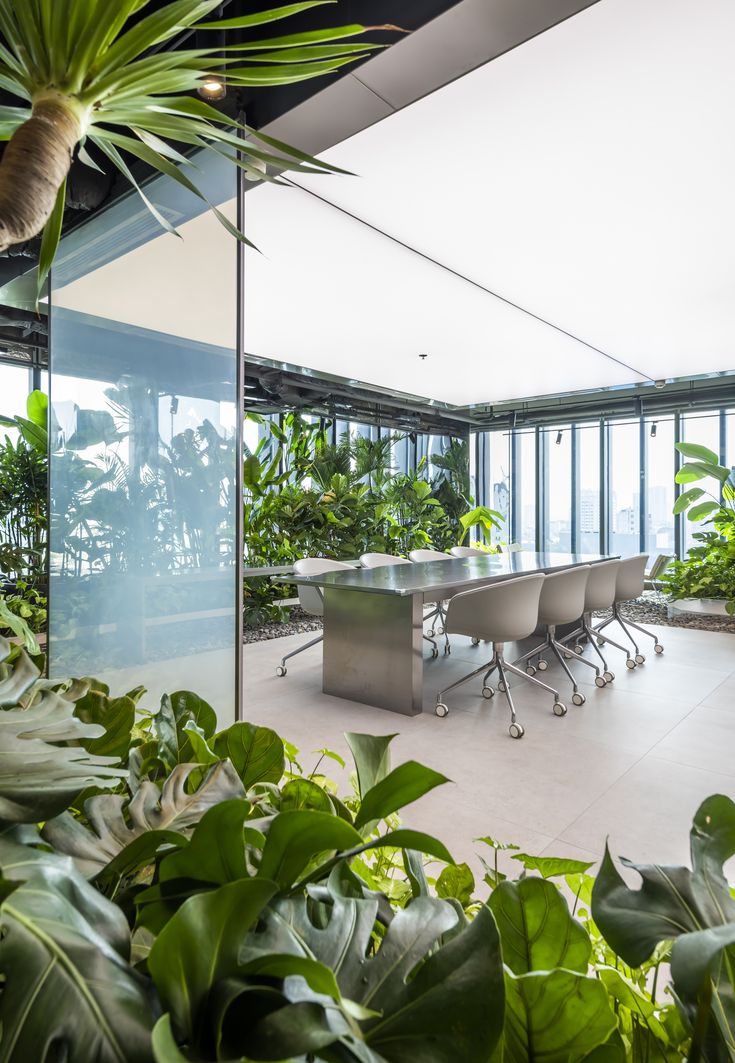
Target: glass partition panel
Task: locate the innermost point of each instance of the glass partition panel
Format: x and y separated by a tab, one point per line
525	486
144	447
704	429
559	488
625	491
588	488
660	472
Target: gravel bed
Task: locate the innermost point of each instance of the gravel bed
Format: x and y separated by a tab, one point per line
646	610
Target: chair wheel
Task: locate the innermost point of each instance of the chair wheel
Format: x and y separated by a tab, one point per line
640	659
567	655
658	648
431	632
516	730
530	670
501	687
543	665
578	649
474	642
630	663
487	693
561	710
281	670
434	653
609	676
600	642
441	709
600	681
578	699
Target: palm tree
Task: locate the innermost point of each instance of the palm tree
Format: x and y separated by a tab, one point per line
95	71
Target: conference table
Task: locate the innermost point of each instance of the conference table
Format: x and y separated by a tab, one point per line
374	619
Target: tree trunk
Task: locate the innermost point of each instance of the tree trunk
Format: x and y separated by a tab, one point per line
36	161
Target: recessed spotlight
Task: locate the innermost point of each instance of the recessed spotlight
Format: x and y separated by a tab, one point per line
653	430
212	88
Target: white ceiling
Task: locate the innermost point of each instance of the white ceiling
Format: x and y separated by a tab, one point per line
585	176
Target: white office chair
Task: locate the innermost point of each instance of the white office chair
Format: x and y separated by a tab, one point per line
376	560
599	594
629	585
500	613
419	557
311	599
468	551
562	602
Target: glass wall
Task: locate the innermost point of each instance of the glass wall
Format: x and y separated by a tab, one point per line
625	491
587	489
704	429
499	483
525	477
143	585
558	526
15	386
659	465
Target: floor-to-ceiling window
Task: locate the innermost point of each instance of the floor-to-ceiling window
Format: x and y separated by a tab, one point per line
624	490
587	488
558	447
659	466
701	428
525	487
499	483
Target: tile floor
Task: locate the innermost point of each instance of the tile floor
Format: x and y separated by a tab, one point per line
633	763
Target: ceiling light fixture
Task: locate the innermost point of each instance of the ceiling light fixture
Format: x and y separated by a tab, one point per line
558	438
653	430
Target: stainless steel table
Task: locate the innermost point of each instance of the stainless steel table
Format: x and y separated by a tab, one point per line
374	619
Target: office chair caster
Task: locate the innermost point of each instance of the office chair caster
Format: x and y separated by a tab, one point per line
487	693
579	649
516	730
441	709
530	670
658	648
609	676
630	663
431	633
501	687
640	659
600	642
567	655
434	653
474	642
281	670
600	681
542	665
560	708
577	698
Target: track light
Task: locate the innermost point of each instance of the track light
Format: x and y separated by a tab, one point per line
653	430
558	438
212	88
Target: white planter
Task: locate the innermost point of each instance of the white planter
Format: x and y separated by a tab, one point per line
708	606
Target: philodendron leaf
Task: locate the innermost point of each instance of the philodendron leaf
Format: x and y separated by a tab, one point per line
255	752
698	452
536	930
400	787
555	1017
66	977
42	763
115	715
200	947
456	881
552	866
117	821
671	900
371	754
295	837
686	498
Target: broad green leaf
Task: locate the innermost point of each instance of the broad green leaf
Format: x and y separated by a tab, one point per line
399	788
686	498
65	969
261	17
697	470
115	715
552	866
200	947
216	851
302	793
536	930
371	755
255	752
555	1017
698	452
294	838
704	509
456	881
37	408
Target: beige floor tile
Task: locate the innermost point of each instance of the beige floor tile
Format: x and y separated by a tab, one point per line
705	739
723	697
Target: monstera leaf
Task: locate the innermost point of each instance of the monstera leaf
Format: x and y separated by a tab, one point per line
435	984
695	908
536	930
68	988
42	763
149	818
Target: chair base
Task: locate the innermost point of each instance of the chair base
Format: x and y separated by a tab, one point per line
561	652
281	670
498	664
616	617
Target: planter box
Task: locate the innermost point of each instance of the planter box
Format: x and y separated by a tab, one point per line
707	606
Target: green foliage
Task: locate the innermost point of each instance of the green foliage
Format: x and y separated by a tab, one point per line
215	904
709	570
23	509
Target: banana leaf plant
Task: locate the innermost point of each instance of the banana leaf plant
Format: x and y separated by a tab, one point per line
93	72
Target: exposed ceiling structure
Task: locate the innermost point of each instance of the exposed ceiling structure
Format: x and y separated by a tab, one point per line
558	220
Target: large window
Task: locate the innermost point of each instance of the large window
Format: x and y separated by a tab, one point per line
659	463
587	502
704	429
625	491
15	382
499	483
559	488
525	486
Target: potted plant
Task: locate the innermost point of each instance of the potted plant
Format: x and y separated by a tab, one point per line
705	581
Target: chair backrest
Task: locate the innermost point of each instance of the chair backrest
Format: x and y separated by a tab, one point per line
660	565
382	560
600	592
501	612
563	596
631	578
311	599
468	551
418	556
